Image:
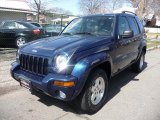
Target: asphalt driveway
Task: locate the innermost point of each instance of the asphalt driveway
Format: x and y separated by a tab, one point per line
132	97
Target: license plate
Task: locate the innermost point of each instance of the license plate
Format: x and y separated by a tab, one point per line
25	83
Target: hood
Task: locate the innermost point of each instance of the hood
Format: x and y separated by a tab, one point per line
78	43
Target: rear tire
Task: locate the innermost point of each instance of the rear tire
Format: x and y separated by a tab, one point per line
20	41
138	66
95	92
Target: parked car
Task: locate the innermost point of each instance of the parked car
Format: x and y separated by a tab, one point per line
36	24
52	30
77	65
18	33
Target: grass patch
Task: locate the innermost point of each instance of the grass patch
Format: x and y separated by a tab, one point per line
151	44
153	35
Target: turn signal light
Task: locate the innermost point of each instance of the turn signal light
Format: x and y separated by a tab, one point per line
64	84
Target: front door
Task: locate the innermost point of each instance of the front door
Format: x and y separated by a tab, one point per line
123	51
8	33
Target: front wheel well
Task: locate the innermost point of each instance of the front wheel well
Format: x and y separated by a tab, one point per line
106	66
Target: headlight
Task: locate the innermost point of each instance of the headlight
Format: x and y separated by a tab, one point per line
61	62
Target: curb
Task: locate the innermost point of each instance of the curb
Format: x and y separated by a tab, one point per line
153	48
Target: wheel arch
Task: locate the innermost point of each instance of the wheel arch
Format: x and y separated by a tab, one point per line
91	63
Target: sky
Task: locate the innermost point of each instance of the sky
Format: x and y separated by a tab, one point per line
71	5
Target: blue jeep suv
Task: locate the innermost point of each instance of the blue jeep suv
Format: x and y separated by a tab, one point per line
77	64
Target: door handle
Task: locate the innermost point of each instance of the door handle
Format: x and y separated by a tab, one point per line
122	43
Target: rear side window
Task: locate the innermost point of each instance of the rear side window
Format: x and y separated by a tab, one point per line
140	24
123	25
133	25
23	25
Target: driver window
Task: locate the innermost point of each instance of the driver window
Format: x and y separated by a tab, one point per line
123	25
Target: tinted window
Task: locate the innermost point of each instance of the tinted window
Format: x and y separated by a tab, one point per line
133	25
36	24
23	25
140	24
9	25
123	25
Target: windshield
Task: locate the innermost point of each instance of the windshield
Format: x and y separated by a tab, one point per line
96	25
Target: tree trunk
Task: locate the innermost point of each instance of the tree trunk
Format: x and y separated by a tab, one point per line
38	16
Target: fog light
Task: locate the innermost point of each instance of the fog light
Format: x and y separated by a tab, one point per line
62	94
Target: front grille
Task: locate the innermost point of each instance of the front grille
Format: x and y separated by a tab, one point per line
34	64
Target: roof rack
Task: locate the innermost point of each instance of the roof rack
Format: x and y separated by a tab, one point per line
129	12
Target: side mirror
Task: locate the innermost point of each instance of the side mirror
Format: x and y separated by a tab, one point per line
127	34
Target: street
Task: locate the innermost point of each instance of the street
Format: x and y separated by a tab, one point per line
132	97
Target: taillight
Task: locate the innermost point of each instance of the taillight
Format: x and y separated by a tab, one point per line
36	32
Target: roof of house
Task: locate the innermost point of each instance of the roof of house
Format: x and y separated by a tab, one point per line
14	5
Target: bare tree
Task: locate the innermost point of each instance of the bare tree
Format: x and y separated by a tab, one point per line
60	11
156	7
100	6
145	7
39	6
112	5
92	6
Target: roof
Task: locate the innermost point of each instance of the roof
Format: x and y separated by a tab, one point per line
112	14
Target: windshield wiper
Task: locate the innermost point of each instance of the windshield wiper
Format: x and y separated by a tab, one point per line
67	33
85	33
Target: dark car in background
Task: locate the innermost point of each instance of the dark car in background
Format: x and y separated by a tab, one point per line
52	30
17	33
36	24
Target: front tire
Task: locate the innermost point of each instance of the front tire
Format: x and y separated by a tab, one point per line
95	92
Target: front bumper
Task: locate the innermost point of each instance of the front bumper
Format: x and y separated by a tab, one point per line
44	83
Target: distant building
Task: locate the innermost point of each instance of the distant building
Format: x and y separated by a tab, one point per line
64	21
14	10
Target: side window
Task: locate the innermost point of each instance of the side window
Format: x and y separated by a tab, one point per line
21	26
123	25
9	25
140	24
133	25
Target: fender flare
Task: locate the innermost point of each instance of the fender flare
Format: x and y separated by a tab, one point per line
83	68
141	46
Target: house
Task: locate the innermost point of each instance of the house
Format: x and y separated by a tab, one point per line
14	10
62	20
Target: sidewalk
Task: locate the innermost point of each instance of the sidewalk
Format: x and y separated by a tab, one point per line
5	78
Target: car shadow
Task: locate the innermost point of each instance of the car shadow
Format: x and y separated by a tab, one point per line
122	79
115	85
